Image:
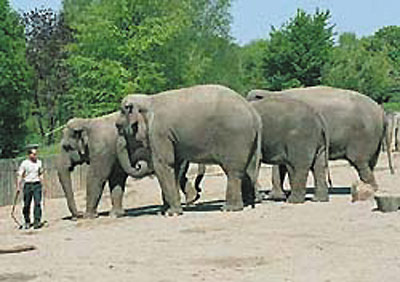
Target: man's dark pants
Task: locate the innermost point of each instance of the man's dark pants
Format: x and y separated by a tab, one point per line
32	190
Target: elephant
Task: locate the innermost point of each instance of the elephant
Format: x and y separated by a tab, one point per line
396	131
390	120
295	138
355	124
94	141
205	124
393	133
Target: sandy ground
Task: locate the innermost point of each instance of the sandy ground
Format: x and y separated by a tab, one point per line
335	241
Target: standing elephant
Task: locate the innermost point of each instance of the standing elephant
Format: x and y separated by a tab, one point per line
390	121
94	142
295	138
355	124
393	132
207	124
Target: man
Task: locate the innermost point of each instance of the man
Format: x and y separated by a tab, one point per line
31	173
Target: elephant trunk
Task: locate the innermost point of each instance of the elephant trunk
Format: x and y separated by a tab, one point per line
64	176
140	168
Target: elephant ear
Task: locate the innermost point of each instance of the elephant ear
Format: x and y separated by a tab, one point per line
84	138
80	134
142	128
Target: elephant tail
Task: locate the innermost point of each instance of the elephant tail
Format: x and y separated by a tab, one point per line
326	137
254	162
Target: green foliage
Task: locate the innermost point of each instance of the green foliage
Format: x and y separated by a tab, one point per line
98	86
141	46
298	51
251	56
387	40
355	66
15	82
392	107
46	36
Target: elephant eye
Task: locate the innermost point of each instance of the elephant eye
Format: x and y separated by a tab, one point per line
67	147
135	127
129	108
77	134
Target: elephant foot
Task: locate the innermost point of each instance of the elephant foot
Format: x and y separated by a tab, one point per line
116	213
232	208
276	195
296	199
90	215
77	215
173	212
321	197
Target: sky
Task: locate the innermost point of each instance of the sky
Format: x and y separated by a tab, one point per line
252	19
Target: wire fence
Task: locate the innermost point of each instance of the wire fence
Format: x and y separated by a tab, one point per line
52	186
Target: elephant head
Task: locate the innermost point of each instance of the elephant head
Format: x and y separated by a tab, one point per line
133	148
74	151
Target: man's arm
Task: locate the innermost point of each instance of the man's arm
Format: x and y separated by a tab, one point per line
20	177
41	172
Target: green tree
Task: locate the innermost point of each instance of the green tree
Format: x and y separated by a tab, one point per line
15	82
251	56
387	40
298	51
146	46
115	52
46	36
354	66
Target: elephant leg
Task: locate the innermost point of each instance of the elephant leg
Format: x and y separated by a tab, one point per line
100	170
117	194
366	174
117	189
298	180
278	177
168	179
234	201
93	195
191	193
321	193
249	192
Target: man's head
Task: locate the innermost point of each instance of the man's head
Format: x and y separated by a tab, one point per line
32	154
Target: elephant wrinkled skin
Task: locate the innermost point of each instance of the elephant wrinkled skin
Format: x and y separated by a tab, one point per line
355	124
295	138
94	142
206	124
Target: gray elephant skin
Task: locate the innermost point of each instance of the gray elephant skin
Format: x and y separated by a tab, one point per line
392	133
94	142
295	138
206	124
355	123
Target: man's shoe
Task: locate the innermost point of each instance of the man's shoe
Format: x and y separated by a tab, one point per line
37	225
27	225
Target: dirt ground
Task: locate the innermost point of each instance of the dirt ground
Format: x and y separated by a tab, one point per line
335	241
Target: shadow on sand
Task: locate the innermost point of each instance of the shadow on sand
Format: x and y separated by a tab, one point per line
209	206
